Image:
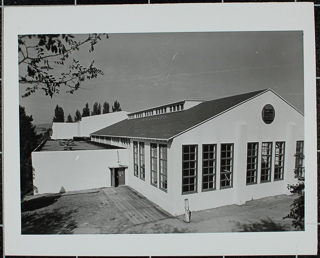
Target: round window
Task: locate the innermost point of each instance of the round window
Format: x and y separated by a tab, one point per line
268	114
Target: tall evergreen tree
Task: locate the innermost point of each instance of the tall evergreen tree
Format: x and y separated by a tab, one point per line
77	116
86	111
106	107
69	119
58	114
116	106
96	109
28	142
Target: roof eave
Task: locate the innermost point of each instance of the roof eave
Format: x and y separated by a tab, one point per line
133	137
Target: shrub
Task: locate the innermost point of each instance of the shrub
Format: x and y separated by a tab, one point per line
297	207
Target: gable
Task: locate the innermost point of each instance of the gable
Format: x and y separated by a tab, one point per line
167	126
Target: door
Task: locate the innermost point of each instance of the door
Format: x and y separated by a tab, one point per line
120	177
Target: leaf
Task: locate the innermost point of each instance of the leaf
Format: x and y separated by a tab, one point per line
41	42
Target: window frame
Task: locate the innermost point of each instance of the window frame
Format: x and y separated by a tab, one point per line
256	157
142	161
135	159
195	176
299	160
232	165
154	164
163	167
214	167
269	162
281	157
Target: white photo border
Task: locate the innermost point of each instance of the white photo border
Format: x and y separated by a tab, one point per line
143	19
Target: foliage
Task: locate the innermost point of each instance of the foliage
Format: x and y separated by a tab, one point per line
96	109
47	62
297	207
116	106
86	111
69	119
28	142
77	116
106	108
58	114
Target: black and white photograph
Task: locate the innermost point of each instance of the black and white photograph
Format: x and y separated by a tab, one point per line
178	133
161	133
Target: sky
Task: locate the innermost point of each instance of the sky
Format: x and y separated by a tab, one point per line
151	69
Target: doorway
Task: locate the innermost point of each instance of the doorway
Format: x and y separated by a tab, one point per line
118	177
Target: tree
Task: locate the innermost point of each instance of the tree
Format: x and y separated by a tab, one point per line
86	111
77	117
297	207
96	109
69	119
106	107
116	106
29	140
47	62
58	114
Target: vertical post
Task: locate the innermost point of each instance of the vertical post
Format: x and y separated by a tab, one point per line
187	211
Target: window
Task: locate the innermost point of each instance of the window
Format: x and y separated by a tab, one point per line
266	159
153	163
209	167
299	167
268	114
279	161
163	167
226	166
135	158
142	163
189	168
252	163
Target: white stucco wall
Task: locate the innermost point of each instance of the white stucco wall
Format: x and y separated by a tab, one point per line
155	194
91	124
64	130
86	126
238	126
74	170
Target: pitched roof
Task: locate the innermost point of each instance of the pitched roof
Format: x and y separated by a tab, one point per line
169	125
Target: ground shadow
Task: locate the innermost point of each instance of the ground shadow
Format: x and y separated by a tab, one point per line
264	225
37	203
53	222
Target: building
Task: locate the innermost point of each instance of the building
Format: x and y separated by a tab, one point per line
86	126
213	153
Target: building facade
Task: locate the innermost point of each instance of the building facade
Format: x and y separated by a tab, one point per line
213	153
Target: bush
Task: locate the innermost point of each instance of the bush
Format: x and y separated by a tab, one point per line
297	207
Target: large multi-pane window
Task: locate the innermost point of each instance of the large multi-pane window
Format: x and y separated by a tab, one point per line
163	167
209	166
279	161
266	160
153	163
252	162
142	160
135	159
299	167
226	165
189	168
